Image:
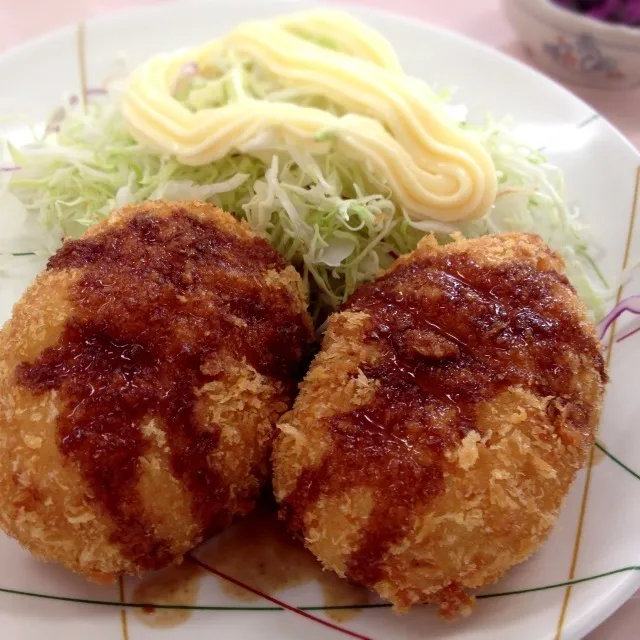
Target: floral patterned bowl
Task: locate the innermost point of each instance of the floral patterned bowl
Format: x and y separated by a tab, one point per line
576	48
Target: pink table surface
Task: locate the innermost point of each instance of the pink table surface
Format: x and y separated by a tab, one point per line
482	20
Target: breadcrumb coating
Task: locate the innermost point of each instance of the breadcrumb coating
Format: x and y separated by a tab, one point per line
442	424
141	377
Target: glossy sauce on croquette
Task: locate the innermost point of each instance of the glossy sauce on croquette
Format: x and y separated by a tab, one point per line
159	297
451	334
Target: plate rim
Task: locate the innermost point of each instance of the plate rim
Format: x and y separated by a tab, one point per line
630	582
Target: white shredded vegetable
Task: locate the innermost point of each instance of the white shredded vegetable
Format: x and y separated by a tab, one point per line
323	212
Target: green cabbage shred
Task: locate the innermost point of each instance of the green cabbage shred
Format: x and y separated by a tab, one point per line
326	214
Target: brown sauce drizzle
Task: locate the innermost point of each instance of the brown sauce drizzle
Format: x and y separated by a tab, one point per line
157	298
259	552
451	334
256	551
175	586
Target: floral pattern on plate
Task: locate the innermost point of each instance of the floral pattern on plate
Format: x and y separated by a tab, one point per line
582	53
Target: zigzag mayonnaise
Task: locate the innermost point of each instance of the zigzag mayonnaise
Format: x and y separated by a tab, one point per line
434	169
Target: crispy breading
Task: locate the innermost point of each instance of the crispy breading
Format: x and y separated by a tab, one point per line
442	424
141	376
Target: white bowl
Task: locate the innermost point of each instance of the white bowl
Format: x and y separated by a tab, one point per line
575	47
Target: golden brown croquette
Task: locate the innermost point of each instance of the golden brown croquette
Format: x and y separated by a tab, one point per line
141	376
442	424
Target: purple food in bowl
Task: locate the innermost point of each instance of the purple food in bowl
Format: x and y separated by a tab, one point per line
615	11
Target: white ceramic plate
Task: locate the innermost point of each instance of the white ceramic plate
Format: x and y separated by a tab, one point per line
594	547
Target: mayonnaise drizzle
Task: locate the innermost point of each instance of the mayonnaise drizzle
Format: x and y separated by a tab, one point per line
434	169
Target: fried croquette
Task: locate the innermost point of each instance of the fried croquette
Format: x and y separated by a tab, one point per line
141	377
442	424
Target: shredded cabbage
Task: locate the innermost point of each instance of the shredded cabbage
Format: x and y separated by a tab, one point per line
323	212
